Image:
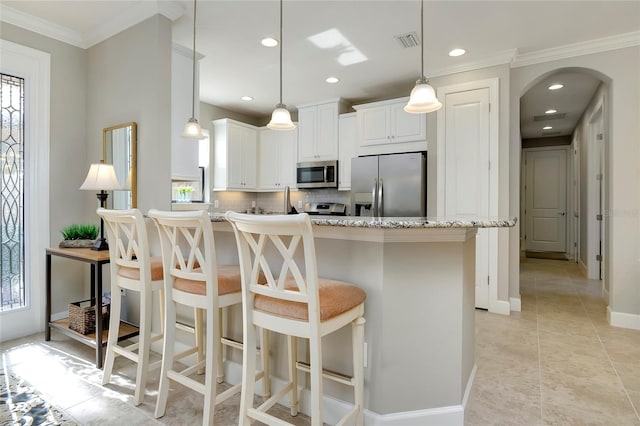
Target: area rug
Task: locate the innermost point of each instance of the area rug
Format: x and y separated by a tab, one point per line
21	404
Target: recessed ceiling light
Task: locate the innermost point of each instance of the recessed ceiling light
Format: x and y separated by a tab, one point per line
246	98
457	52
556	86
332	80
269	42
550	111
547	128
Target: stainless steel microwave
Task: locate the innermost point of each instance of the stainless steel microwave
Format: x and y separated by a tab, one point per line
317	174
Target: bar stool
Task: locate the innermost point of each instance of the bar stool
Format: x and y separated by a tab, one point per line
296	303
133	269
194	279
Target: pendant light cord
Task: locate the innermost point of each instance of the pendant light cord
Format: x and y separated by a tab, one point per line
280	52
421	37
193	79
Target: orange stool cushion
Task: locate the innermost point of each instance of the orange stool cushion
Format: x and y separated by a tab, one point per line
134	273
229	281
336	297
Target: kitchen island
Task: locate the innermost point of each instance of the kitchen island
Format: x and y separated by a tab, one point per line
419	276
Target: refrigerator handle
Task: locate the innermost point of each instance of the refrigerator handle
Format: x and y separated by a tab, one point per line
374	198
380	203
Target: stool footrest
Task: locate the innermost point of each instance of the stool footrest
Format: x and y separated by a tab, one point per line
259	413
327	374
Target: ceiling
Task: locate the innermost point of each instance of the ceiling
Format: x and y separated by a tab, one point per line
236	65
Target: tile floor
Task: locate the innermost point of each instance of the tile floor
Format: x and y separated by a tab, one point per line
555	363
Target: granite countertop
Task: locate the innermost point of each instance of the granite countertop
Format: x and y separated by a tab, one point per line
399	222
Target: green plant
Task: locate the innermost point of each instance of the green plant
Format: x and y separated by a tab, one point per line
80	232
185	189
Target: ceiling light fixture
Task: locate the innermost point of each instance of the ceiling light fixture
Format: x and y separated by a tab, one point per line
280	118
269	42
246	98
550	111
192	129
423	98
332	80
556	86
547	128
457	52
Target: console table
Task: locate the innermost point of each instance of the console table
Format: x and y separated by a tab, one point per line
98	339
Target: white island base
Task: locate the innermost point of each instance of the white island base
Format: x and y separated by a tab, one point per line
420	310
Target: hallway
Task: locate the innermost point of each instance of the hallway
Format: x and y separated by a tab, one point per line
557	361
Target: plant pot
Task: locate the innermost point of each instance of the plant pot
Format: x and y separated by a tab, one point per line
77	243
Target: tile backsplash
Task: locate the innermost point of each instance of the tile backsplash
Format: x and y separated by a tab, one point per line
273	201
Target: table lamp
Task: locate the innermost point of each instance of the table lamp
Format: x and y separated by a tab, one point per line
101	177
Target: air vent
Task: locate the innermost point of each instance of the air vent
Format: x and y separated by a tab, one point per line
548	117
408	40
550	133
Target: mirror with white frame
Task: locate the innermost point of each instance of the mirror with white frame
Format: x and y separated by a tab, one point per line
119	148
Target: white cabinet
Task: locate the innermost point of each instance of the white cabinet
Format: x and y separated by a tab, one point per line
384	128
234	155
184	152
318	131
276	159
347	139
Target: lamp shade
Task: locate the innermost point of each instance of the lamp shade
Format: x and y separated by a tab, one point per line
422	99
101	177
281	119
192	130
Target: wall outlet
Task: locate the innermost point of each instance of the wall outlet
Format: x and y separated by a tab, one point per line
123	292
253	204
216	204
299	204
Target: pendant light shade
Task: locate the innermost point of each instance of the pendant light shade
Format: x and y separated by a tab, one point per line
423	98
192	129
281	118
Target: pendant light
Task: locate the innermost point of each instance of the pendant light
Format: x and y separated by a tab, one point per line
280	118
192	129
423	97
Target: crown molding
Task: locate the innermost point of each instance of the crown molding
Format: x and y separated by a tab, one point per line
499	58
127	18
619	41
40	26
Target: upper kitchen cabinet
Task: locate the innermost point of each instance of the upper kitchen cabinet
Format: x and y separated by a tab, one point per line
234	156
318	130
184	152
385	128
347	139
276	159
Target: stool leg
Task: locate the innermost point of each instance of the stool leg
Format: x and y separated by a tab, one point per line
199	334
264	357
357	332
114	330
212	341
315	355
292	345
146	297
220	358
248	373
167	356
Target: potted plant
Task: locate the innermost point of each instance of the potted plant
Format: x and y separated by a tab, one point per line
76	236
184	193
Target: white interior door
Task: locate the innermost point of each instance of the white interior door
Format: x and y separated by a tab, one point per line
466	182
546	200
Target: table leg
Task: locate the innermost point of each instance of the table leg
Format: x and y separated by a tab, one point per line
97	293
47	315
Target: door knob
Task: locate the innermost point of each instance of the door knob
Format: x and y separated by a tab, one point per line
561	214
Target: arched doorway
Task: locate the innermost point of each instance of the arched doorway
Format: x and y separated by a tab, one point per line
563	197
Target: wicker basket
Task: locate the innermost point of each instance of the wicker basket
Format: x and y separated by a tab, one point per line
82	316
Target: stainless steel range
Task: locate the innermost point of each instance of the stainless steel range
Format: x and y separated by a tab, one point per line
322	208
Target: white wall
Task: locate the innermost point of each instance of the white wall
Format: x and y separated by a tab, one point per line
620	69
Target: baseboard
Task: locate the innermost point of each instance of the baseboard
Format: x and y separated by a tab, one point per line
515	304
583	267
623	320
501	307
59	316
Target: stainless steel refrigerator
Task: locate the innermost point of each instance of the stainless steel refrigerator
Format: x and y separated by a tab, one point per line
392	185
